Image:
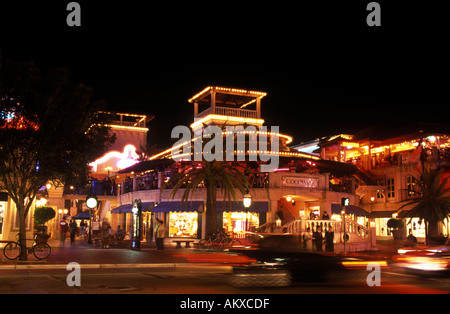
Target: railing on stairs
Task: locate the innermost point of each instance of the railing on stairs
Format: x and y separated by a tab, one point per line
355	231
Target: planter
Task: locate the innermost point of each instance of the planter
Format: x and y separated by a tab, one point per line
42	238
398	234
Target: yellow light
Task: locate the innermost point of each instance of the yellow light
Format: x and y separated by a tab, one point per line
226	119
124	127
363	264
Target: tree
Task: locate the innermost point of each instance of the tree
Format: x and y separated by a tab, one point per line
42	214
223	175
431	201
49	131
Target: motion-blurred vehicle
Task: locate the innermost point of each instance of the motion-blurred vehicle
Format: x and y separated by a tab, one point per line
425	259
281	261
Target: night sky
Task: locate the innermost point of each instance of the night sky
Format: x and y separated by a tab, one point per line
325	70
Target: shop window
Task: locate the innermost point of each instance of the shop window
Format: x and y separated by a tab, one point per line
390	187
410	186
183	224
238	224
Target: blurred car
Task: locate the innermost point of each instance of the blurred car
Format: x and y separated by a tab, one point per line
425	259
281	262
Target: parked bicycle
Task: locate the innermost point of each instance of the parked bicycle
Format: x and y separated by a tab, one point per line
40	250
219	240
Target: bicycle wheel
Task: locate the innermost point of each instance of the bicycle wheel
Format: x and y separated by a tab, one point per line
12	250
204	245
41	250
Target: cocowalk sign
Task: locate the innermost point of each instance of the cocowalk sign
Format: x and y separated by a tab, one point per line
300	182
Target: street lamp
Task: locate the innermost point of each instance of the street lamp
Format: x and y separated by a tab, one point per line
247	199
345	202
91	202
137	225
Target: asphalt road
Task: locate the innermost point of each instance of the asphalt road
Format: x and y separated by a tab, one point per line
204	280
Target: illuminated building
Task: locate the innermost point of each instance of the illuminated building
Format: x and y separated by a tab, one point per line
131	135
296	191
388	157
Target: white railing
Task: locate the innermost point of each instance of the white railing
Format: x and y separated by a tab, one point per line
243	113
355	231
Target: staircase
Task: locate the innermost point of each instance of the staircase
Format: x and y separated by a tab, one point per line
288	210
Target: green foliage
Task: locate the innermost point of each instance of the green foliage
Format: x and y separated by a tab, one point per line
394	223
222	175
432	200
50	130
43	214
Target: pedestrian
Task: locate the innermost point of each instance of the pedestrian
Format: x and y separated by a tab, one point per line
307	239
106	234
411	239
318	239
82	228
73	231
329	239
120	234
63	227
325	216
159	234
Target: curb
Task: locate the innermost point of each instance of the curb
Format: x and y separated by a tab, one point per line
209	267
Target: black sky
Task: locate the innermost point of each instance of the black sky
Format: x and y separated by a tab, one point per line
325	71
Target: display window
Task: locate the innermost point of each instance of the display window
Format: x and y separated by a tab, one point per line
183	224
238	223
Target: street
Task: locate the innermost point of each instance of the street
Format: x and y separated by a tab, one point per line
204	280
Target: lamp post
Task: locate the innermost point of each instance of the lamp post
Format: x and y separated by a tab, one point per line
345	201
91	202
247	199
137	224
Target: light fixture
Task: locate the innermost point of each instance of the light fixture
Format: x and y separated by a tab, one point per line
288	198
247	199
91	201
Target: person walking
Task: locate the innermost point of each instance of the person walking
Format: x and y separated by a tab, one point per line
63	227
307	239
73	231
329	239
318	239
159	234
106	234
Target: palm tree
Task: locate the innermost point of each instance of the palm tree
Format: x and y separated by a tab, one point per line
431	201
226	176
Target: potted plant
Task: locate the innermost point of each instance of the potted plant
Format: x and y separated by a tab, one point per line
42	214
396	226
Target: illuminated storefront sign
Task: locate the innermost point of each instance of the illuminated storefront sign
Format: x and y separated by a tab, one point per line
183	224
298	182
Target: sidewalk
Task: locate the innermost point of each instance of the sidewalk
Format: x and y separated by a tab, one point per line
89	256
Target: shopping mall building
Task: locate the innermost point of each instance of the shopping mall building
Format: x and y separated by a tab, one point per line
372	168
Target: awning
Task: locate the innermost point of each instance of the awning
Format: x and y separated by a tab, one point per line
238	206
351	209
177	206
382	214
146	207
82	215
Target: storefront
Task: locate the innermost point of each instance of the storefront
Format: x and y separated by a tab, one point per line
183	224
353	212
128	224
238	221
181	219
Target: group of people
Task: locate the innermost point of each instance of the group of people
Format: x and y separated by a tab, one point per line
106	232
315	240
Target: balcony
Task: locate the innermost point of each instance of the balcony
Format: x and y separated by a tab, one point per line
231	112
